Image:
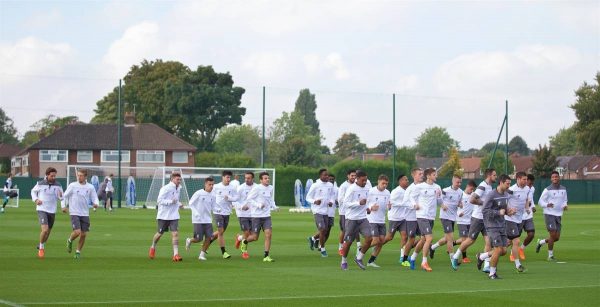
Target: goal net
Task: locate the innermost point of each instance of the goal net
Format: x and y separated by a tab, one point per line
12	195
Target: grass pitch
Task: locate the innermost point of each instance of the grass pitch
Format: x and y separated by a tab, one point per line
115	269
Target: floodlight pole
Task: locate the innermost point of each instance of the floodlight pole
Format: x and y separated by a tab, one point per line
507	157
119	124
262	153
394	140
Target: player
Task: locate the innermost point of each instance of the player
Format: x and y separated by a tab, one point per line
202	204
356	219
477	225
78	196
378	203
518	200
451	198
167	217
554	201
262	202
465	210
528	225
225	194
108	204
8	194
350	179
425	198
411	219
495	208
320	197
46	194
242	212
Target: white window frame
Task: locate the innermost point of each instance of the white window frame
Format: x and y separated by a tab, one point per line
124	154
187	159
13	162
54	152
149	152
91	152
25	161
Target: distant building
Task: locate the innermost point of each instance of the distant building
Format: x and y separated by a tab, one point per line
577	167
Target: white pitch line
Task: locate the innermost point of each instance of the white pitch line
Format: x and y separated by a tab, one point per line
305	297
9	303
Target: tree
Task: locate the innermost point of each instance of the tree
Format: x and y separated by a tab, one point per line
8	132
587	111
383	147
306	104
347	144
564	142
498	163
192	104
47	126
452	166
489	147
241	139
291	142
544	162
407	155
518	145
434	142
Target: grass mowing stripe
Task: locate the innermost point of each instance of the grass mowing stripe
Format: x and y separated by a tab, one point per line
9	303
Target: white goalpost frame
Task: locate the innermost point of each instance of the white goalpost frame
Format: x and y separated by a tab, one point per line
12	202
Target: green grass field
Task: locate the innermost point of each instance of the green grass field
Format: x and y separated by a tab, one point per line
115	269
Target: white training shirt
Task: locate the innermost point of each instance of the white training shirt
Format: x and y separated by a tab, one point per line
451	198
427	196
518	199
109	186
556	195
78	196
49	194
381	198
340	197
202	204
354	194
224	206
168	202
482	191
527	216
399	207
262	199
411	213
331	210
322	191
466	210
242	191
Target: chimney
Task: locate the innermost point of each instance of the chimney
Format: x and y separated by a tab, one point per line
129	119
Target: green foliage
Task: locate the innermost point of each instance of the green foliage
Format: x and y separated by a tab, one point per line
291	142
452	166
544	162
5	166
8	132
489	148
407	155
239	139
564	142
285	176
329	160
347	144
192	104
517	144
587	110
498	163
434	142
383	147
306	104
45	127
233	160
373	168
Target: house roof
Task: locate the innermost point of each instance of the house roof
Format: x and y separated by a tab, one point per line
522	163
431	162
104	136
593	165
471	164
8	150
573	163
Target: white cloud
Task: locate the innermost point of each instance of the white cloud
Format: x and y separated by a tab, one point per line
266	64
336	64
332	64
31	56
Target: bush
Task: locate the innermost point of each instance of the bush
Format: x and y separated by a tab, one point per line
233	160
285	177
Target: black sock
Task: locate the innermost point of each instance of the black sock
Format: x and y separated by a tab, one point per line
405	258
454	243
222	250
245	241
266	253
464	254
372	259
212	240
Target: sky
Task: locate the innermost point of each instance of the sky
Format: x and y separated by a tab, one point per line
449	63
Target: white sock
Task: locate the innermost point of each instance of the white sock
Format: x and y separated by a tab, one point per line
175	250
359	255
202	254
484	256
523	246
41	245
413	257
434	246
240	238
457	254
492	270
357	244
424	261
550	253
77	251
542	242
344	260
153	244
517	263
401	252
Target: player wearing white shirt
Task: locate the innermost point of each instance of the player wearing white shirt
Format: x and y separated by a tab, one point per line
109	193
46	194
378	203
518	200
330	213
225	194
262	203
425	198
477	199
350	179
320	197
242	212
528	225
554	201
167	217
356	219
235	182
78	196
463	219
202	204
451	199
411	220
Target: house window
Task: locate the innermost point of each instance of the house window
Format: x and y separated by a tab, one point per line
180	157
85	156
53	155
113	156
151	156
15	162
25	160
